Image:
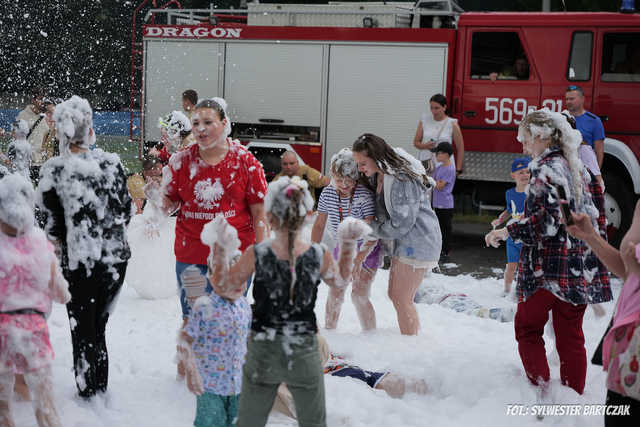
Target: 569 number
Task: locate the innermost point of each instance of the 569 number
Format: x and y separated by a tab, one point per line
507	111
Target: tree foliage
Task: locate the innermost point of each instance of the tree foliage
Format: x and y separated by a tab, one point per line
84	47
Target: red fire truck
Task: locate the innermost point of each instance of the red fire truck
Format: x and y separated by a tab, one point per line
311	78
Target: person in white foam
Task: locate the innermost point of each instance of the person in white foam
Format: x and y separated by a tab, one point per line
34	115
30	279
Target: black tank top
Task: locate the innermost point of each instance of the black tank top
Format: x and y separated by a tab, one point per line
272	309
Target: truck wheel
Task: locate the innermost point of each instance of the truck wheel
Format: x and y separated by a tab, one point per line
619	202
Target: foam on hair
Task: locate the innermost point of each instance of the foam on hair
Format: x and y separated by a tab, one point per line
547	124
220	105
343	164
17	201
20	129
74	121
176	124
288	200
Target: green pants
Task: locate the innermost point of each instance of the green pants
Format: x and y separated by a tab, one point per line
294	361
213	410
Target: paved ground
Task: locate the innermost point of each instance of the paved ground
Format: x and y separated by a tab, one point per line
470	255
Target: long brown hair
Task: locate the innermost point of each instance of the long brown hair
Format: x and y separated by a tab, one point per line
210	103
386	158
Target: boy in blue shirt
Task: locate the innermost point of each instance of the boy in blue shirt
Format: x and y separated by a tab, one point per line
515	198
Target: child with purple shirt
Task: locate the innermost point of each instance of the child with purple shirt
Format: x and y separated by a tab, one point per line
442	200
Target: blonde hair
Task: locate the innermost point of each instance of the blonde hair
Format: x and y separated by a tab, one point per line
555	127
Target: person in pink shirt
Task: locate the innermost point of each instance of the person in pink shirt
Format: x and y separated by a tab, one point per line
30	278
621	345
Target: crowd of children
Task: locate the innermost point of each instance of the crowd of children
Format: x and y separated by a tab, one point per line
231	231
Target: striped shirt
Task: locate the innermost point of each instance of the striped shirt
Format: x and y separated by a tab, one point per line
360	206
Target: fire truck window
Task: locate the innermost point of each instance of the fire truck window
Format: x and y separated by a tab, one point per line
580	59
498	56
621	57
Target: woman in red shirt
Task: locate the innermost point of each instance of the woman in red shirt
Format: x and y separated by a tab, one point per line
216	176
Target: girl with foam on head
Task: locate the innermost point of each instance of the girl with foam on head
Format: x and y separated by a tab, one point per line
283	346
346	198
217	176
18	157
404	217
557	272
30	279
86	206
175	130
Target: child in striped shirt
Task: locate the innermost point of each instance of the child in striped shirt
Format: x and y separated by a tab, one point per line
343	198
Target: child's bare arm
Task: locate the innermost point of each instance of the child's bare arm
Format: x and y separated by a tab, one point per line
501	218
349	232
227	267
186	356
58	284
318	227
329	271
238	273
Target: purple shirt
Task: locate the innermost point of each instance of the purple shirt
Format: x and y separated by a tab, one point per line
443	199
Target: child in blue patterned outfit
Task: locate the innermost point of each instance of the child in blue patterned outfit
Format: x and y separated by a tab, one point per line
515	198
213	344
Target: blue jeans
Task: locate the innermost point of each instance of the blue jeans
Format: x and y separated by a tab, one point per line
180	267
204	270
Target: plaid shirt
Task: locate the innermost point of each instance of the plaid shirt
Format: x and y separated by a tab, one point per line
551	259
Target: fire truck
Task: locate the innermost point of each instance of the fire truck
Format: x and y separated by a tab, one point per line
312	78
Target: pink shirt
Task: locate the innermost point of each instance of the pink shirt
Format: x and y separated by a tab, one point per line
621	349
25	271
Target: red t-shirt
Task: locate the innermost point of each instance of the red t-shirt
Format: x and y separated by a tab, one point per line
206	191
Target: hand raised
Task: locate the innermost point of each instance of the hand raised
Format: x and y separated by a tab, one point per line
582	228
352	229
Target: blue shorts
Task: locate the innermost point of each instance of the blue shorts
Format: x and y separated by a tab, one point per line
513	251
371	378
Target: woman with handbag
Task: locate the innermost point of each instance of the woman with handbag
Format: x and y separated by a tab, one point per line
435	128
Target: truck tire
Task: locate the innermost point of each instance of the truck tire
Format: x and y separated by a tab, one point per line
619	201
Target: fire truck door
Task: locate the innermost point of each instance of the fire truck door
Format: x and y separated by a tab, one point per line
617	78
499	88
573	67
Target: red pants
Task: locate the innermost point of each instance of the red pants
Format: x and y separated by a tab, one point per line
530	319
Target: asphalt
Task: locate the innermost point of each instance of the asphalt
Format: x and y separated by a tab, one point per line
470	255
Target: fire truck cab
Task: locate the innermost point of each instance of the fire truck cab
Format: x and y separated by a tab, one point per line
508	63
312	78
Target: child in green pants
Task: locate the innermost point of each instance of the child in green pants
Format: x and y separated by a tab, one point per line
213	343
282	346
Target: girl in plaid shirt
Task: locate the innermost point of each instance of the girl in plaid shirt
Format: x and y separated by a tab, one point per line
556	272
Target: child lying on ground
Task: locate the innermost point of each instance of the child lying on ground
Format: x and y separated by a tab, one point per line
433	294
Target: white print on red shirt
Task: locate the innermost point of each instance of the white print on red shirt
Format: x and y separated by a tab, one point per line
207	194
208	216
